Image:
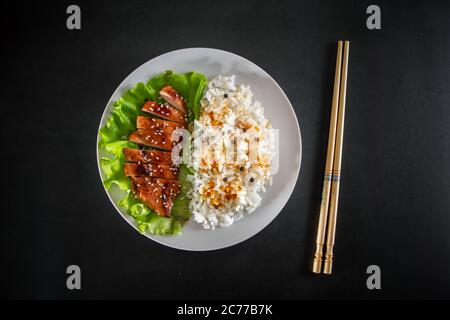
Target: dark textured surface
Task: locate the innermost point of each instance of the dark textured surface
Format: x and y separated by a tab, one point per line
395	190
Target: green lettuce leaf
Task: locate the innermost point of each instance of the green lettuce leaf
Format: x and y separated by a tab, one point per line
113	166
114	137
198	83
180	208
147	220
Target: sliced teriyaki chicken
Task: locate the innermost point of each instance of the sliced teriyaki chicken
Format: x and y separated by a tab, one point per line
147	156
152	139
157	124
155	133
151	170
158	194
170	95
164	111
172	186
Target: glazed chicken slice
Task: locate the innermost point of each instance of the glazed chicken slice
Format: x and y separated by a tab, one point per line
172	187
151	170
157	124
149	137
155	133
170	95
157	194
147	156
164	111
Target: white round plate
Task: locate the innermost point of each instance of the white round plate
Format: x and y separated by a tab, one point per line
278	111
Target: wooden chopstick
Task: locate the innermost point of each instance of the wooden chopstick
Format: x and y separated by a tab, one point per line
336	174
321	228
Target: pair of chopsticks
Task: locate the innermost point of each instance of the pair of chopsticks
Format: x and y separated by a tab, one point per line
330	191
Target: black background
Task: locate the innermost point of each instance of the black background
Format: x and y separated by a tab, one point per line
395	189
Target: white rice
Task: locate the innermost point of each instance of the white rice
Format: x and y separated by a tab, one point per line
233	147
